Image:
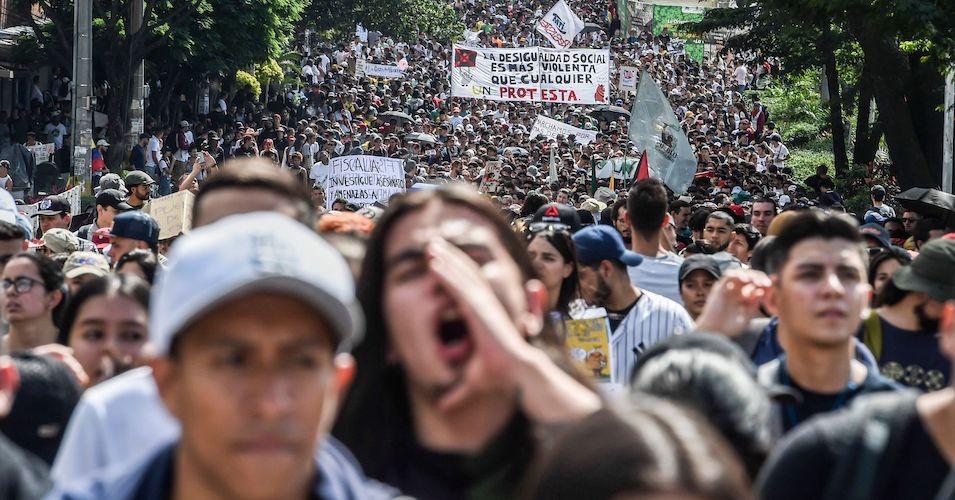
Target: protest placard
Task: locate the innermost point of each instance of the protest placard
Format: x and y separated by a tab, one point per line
551	128
628	78
621	167
75	197
588	342
560	25
364	179
365	68
173	213
532	74
42	152
492	177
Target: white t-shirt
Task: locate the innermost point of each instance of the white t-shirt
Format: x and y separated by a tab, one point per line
319	174
55	133
155	145
740	75
659	275
779	159
120	420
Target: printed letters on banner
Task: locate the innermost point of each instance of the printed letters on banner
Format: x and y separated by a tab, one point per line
551	128
364	179
560	25
573	76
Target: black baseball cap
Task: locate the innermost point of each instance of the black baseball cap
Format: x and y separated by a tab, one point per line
699	262
53	205
113	198
558	214
136	225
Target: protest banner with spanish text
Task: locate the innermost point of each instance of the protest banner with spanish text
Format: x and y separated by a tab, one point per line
550	128
533	74
364	179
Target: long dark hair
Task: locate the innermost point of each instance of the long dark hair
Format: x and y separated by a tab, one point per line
375	418
127	286
564	245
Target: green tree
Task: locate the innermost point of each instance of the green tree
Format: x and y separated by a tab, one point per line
904	47
181	41
399	18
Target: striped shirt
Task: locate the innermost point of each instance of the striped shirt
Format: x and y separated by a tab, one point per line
652	319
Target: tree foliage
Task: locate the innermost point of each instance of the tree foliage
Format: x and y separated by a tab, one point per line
891	50
182	42
399	18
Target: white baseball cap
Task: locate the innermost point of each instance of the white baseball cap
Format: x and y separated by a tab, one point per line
248	253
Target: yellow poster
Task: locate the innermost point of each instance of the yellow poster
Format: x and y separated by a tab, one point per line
588	342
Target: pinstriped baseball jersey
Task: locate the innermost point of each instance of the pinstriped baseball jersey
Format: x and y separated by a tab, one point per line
652	319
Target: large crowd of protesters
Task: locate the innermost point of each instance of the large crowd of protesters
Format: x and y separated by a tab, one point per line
764	342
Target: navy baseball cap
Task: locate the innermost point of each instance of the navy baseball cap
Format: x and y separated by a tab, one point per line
602	242
136	225
877	233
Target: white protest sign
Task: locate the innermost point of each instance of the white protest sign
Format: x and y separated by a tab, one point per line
560	25
42	152
492	177
30	212
379	70
573	76
75	197
172	212
364	179
551	128
628	78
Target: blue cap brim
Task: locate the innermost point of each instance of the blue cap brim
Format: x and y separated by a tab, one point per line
631	258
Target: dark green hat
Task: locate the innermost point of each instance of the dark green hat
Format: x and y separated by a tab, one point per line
932	272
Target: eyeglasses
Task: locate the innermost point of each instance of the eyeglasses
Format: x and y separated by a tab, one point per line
22	284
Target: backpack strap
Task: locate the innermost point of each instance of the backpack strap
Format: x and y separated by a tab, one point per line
872	334
883	421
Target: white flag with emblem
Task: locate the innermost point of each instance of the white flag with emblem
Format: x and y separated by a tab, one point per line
560	25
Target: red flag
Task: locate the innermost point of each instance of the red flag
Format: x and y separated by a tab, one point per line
643	169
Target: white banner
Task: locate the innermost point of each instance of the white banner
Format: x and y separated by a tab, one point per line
551	128
364	179
365	68
628	78
560	25
573	76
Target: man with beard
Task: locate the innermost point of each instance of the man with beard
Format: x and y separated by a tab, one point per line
638	318
140	186
719	230
905	342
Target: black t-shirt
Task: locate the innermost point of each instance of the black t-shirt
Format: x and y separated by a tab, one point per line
805	462
495	472
617	317
815	403
913	358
